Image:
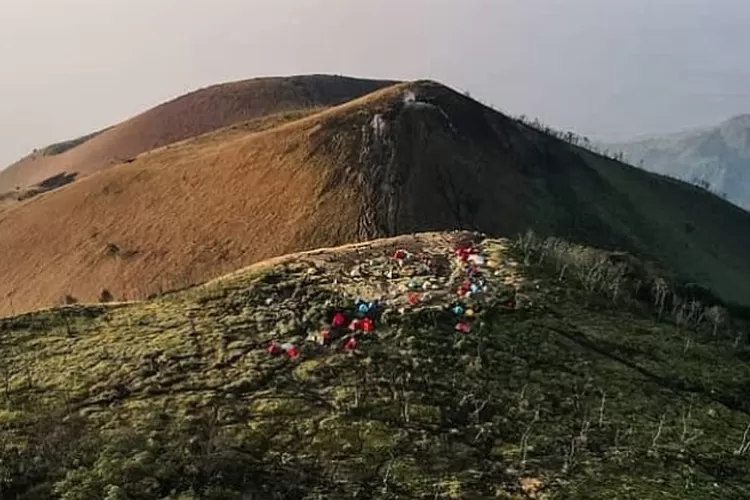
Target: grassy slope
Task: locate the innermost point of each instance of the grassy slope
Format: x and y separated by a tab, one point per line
696	234
176	216
447	162
61	147
177	397
372	167
187	116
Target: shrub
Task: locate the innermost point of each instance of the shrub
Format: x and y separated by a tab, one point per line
106	296
618	275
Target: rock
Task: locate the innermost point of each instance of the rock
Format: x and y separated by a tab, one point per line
479	260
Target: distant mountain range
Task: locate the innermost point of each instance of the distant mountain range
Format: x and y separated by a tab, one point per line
717	158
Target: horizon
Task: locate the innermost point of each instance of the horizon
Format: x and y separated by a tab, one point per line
658	71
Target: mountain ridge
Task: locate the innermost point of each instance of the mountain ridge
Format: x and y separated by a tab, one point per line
717	157
198	112
408	158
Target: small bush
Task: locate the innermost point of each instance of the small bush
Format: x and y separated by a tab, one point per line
618	275
106	296
596	271
112	250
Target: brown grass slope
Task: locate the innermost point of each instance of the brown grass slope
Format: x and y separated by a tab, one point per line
187	116
410	158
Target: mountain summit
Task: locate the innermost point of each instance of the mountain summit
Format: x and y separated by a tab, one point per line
187	116
407	158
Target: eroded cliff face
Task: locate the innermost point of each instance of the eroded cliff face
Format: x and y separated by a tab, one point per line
425	162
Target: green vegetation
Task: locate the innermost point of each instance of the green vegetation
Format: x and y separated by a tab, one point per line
576	382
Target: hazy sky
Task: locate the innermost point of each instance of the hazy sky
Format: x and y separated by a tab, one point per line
610	69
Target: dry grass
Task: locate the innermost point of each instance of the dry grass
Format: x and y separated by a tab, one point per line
175	217
372	167
194	114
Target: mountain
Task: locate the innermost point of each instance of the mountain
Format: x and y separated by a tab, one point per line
408	158
187	116
716	157
569	373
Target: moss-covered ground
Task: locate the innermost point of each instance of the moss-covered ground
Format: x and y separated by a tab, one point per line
559	391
